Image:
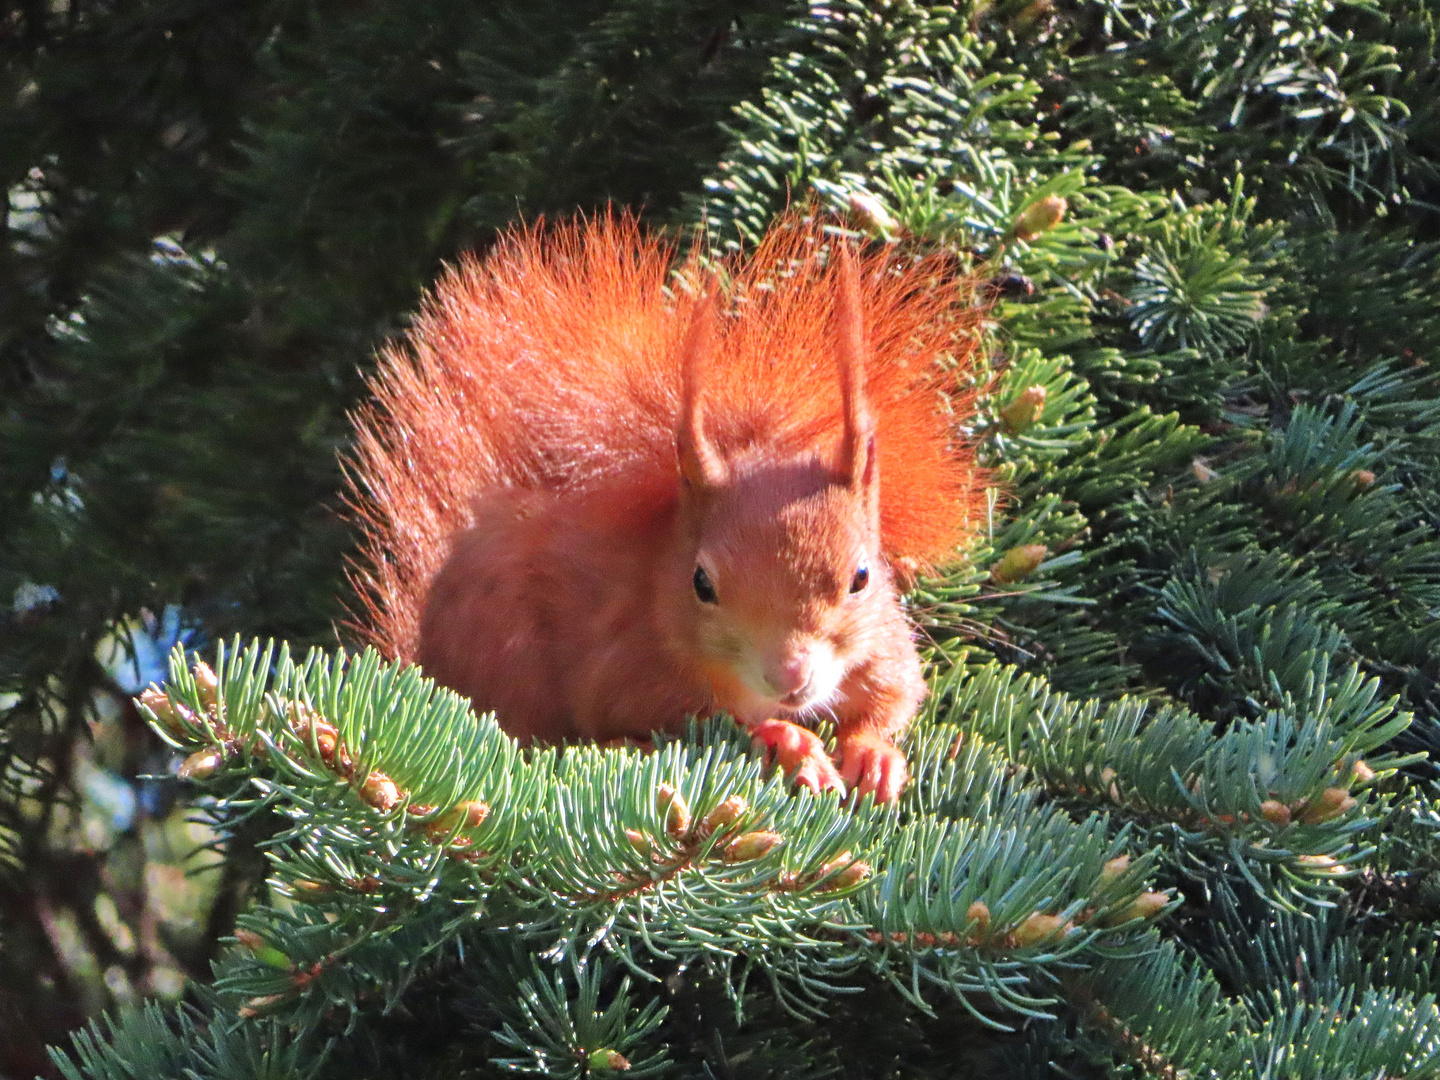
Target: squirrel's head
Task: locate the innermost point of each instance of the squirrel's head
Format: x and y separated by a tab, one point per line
788	585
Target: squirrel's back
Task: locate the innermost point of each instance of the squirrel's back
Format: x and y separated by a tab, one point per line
555	364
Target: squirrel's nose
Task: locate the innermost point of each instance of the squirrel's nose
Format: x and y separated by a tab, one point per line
790	675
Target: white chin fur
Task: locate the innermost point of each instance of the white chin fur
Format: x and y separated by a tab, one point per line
765	705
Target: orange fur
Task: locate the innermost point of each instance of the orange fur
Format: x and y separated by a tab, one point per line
569	428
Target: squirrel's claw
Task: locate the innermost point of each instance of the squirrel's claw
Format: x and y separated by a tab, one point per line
818	773
799	752
870	764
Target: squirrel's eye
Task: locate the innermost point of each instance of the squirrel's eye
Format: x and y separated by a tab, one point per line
703	587
861	579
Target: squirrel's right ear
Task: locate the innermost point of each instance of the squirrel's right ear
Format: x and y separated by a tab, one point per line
701	465
857	464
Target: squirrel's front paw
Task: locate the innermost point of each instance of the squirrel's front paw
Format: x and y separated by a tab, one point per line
800	753
871	764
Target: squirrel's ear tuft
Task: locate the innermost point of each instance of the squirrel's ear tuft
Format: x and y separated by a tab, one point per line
857	465
701	466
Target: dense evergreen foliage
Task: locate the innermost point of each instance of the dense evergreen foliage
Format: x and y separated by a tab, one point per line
1174	811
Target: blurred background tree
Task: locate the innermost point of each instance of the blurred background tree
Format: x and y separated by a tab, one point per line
216	211
1213	412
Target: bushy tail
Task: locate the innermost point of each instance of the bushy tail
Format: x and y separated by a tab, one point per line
554	364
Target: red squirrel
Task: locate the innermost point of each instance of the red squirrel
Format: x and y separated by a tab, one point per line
599	494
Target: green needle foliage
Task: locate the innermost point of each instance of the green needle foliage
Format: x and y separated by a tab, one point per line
1173	810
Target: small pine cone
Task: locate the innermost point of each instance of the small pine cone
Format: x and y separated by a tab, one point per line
1319	864
846	873
475	813
607	1060
202	764
380	792
1328	805
723	815
1019	563
676	810
207	684
977	915
465	815
1040	217
1145	906
752	845
872	212
1037	928
167	713
1025	411
1275	812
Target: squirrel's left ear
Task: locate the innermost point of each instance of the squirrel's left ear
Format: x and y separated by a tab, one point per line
858	467
701	466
